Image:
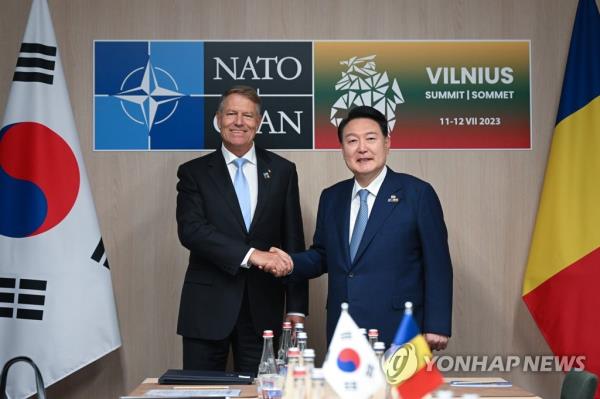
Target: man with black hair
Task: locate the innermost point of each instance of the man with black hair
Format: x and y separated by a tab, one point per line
382	239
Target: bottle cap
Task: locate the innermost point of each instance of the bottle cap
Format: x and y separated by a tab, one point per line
379	346
317	374
287	325
299	326
293	352
299	372
302	335
308	353
344	307
268	334
373	332
408	307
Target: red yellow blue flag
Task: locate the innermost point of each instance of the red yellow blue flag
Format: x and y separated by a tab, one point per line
560	287
408	364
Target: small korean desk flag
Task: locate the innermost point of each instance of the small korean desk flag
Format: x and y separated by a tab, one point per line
56	299
351	368
408	363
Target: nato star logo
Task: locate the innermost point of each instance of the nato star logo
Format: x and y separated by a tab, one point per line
148	95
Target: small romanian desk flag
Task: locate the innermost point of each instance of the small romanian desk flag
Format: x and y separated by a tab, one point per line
407	363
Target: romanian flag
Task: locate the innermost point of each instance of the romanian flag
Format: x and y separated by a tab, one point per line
562	282
408	363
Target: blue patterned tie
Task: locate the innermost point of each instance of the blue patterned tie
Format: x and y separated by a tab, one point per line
242	191
360	224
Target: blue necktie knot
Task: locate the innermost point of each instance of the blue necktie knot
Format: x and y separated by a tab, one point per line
242	190
360	224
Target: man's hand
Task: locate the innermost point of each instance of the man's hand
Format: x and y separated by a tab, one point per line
272	262
436	341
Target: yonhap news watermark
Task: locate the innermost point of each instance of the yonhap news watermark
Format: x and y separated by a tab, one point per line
505	363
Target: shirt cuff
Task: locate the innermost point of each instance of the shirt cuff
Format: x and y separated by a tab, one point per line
296	314
246	261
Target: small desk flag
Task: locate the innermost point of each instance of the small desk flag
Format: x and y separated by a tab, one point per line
351	367
408	363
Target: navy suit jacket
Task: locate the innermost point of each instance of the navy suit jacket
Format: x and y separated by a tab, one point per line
403	256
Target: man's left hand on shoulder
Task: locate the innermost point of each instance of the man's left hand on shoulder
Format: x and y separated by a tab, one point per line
436	341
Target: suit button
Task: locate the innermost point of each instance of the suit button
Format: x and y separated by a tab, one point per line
350	275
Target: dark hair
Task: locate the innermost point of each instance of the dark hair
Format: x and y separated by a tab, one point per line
246	91
364	111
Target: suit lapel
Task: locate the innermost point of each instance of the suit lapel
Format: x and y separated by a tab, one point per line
264	178
389	195
220	175
343	220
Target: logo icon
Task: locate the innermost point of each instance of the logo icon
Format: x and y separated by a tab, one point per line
39	179
348	360
142	90
401	365
148	95
361	84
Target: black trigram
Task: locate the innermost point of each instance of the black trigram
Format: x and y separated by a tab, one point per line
36	63
100	253
29	295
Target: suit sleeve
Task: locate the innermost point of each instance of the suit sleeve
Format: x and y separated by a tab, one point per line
437	263
313	262
197	234
292	238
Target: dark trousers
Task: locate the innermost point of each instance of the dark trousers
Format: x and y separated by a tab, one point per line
202	354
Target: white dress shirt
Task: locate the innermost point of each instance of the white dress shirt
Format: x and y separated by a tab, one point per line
373	189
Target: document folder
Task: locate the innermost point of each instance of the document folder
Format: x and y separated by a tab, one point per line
200	377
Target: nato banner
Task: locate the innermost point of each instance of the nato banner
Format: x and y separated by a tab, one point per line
162	95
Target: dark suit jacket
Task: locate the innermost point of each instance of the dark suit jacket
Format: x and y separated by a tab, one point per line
210	224
403	256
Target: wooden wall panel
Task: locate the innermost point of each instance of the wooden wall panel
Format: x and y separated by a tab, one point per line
489	197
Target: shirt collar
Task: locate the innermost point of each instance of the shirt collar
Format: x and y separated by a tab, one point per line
373	187
230	157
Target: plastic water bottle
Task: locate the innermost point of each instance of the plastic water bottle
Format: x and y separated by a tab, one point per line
298	327
302	338
309	364
293	360
299	383
317	390
379	348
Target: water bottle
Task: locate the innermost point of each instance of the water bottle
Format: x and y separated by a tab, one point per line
302	338
284	345
373	335
267	370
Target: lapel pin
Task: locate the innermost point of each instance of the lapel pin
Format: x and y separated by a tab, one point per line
267	174
392	198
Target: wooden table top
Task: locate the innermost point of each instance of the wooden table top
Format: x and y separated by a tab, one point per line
249	391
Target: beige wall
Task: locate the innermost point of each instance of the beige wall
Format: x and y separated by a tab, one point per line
489	197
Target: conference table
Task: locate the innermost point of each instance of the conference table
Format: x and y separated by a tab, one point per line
249	391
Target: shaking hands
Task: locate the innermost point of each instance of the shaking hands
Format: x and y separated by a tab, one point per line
276	261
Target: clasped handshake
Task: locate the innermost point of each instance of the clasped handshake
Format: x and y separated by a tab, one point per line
275	261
